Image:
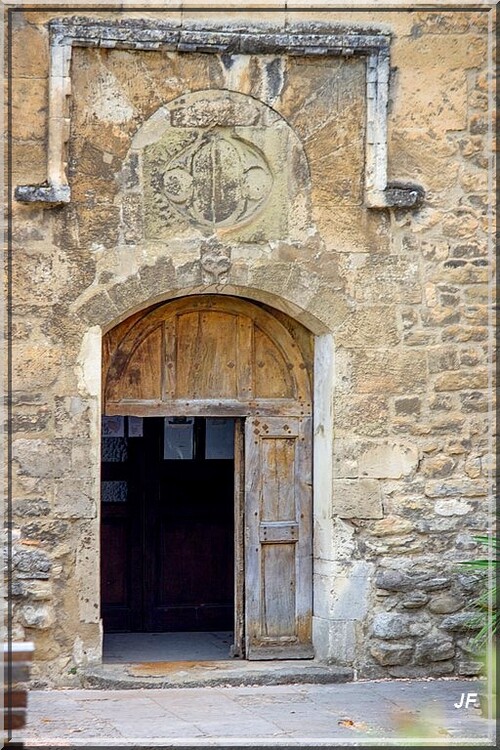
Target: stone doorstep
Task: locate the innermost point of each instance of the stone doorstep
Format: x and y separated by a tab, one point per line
164	675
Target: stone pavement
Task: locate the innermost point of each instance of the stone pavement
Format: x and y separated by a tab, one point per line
359	713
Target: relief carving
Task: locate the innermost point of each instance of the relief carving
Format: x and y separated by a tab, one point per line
215	260
220	163
220	180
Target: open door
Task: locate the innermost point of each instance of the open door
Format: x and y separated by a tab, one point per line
219	357
278	544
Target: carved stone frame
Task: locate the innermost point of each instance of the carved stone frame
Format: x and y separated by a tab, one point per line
321	39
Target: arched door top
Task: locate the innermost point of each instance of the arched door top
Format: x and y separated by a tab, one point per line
207	354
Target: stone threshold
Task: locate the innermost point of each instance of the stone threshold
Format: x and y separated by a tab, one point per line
196	674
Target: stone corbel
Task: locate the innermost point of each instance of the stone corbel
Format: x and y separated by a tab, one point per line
321	39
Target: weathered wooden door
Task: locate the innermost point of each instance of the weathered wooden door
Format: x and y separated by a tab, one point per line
278	550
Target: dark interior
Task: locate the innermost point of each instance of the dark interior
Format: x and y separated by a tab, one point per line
167	531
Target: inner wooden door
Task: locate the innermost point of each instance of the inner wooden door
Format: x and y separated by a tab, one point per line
168	525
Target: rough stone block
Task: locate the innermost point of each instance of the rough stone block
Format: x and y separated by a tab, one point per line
389	372
37	590
442	605
391	654
42	458
391	525
76	500
390	626
444	358
437	466
407	405
394	580
460	381
461	622
434	649
474	402
39	616
357	498
388	461
415	600
453	507
456	488
31	563
469	668
432	669
431	583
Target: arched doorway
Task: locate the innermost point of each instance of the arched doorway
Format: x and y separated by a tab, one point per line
214	519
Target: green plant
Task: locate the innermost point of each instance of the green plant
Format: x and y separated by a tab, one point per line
487	611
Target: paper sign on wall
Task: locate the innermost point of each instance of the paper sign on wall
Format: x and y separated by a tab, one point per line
178	434
219	441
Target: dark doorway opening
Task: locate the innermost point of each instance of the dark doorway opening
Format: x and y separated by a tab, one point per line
167	524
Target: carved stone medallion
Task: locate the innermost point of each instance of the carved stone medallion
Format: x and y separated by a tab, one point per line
220	180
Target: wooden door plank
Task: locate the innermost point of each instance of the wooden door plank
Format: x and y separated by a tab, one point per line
245	358
214	407
278	545
170	349
273	376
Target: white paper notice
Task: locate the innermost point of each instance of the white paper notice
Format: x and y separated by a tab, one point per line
178	443
219	441
113	426
135	427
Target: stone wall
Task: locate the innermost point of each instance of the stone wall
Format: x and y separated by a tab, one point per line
404	294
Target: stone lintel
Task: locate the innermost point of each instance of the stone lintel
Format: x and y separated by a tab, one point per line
262	38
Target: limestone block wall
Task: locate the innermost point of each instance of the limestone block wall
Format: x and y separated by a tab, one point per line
403	294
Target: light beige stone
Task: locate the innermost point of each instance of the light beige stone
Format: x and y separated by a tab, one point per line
452	508
388	372
391	525
353	498
389	461
436	103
